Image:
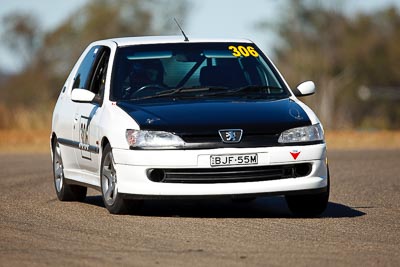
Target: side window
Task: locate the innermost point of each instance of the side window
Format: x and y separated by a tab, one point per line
81	79
98	79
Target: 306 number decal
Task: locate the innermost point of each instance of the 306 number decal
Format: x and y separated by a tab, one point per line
240	50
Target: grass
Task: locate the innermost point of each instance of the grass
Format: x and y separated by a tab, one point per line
21	141
352	140
37	141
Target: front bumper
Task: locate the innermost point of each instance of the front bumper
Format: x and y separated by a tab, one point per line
132	167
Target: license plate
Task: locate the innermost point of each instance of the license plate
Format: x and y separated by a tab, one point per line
230	160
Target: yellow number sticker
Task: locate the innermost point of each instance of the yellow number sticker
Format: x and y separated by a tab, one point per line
243	51
235	51
252	51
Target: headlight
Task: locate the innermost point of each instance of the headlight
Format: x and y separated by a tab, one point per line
302	134
153	139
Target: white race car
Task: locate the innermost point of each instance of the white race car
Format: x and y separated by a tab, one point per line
162	117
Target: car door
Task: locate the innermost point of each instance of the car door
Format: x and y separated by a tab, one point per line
65	120
87	116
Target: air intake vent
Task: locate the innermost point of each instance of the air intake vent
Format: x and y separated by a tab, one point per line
229	175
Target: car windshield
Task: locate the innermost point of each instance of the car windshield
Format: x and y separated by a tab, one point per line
200	70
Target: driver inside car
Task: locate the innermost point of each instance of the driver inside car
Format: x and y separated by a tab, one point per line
145	78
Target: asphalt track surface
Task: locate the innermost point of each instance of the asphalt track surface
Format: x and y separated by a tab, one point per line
361	226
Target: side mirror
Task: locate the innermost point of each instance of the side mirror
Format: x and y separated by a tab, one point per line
305	89
82	95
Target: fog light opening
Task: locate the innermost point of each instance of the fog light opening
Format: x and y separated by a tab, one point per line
156	175
302	170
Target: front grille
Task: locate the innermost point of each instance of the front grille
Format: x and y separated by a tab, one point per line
229	175
248	140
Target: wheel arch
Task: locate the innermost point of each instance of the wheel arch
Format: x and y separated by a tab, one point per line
104	142
53	137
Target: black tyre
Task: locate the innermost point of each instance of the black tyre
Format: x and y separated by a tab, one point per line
244	200
65	192
309	205
113	201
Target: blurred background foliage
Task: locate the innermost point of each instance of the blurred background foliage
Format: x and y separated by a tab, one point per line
353	59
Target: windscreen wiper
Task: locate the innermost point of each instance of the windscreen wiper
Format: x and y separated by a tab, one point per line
255	88
266	90
192	89
172	92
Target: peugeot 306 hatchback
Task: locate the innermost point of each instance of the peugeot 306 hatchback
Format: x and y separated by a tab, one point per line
160	117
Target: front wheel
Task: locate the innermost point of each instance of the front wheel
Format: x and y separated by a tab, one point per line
65	192
113	201
243	199
310	205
